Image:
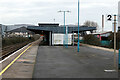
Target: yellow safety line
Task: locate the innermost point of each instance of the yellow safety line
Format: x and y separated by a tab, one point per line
14	61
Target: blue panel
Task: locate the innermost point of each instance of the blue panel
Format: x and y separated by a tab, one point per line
105	43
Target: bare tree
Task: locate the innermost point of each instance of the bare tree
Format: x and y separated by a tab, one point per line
91	24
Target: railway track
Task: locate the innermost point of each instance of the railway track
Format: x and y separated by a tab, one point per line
6	51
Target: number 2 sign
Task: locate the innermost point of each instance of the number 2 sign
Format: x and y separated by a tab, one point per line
109	17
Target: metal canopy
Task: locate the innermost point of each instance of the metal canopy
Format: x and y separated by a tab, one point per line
61	29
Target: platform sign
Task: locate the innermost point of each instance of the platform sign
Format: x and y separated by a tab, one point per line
109	17
57	39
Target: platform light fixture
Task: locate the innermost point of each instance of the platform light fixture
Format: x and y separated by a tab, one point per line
64	25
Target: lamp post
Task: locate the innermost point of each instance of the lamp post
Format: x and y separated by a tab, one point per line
64	25
115	54
78	49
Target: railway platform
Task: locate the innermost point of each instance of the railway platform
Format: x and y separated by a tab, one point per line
34	61
21	63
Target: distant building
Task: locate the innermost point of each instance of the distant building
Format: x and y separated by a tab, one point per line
22	32
15	26
6	28
103	35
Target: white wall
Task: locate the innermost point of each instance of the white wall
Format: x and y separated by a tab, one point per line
57	39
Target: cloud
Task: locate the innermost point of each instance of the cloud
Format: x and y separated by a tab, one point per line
88	5
33	11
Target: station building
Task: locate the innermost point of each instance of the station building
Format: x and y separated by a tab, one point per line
56	35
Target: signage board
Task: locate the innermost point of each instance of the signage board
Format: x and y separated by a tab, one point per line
57	39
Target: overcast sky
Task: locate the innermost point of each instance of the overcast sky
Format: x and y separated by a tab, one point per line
35	11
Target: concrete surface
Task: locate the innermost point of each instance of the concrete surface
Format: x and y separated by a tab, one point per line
23	67
59	62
